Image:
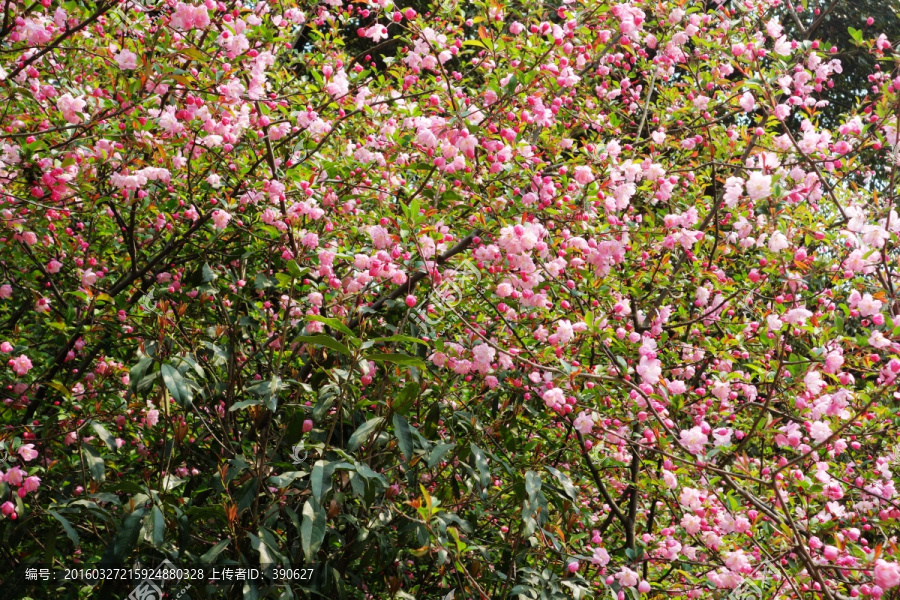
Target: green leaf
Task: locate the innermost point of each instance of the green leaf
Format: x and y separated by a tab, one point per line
171	481
326	341
207	274
334	324
209	557
139	371
245	404
856	34
399	359
482	465
195	54
566	484
404	436
405	398
285	479
104	435
176	385
268	391
60	388
361	435
295	270
70	531
312	529
395	338
157	526
532	483
365	471
320	479
438	454
125	540
94	462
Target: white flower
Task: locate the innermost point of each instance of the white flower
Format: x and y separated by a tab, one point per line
759	185
627	577
782	46
797	316
819	431
877	340
814	382
778	242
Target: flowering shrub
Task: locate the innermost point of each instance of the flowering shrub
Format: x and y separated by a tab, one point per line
461	300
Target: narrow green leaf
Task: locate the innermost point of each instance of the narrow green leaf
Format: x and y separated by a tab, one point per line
209	557
405	398
404	436
326	341
398	359
176	385
94	462
126	538
157	527
70	531
139	371
334	324
104	435
566	483
312	529
438	454
320	479
397	338
484	471
361	435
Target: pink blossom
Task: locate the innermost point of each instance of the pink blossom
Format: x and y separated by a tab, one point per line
649	370
627	577
88	278
583	175
819	431
377	32
126	59
554	398
20	364
27	452
877	340
694	440
71	107
868	306
887	574
31	484
584	423
189	17
15	476
220	219
797	316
